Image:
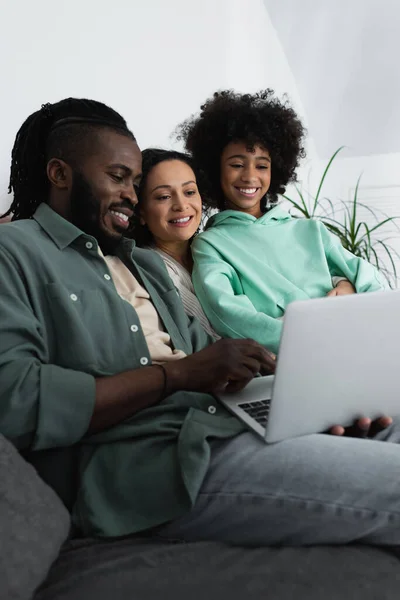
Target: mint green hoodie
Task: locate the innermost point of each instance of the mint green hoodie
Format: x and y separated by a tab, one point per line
247	270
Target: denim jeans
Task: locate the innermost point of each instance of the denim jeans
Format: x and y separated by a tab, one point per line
317	489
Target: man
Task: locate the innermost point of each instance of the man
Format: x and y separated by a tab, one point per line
131	444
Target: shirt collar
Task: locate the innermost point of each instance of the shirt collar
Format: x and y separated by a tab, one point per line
63	233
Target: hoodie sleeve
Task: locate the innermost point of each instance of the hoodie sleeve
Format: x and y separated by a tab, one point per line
232	315
342	263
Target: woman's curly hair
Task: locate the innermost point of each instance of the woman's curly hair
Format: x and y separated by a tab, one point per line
256	119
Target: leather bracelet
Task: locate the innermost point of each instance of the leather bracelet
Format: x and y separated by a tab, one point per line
165	382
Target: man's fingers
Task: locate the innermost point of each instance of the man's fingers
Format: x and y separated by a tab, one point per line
364	423
235	385
266	359
337	430
268	366
268	369
379	425
384	422
252	365
362	428
332	292
353	431
365	427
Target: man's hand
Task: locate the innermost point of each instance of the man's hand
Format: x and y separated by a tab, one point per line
228	365
362	428
342	289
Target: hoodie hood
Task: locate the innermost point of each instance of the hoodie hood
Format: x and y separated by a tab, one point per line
236	217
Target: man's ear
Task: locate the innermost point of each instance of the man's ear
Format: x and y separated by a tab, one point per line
59	174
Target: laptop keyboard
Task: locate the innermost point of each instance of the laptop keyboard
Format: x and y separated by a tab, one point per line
257	410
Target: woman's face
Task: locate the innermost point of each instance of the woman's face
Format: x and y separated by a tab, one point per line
245	177
171	205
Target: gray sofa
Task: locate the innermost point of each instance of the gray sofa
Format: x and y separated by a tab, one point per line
37	560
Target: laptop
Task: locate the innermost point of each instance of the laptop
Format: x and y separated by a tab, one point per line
338	360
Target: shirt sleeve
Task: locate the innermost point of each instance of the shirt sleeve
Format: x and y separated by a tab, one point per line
336	280
342	263
231	314
41	405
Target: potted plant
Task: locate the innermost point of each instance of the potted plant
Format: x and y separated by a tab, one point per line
341	218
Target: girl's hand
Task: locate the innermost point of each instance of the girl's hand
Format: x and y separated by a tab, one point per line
342	289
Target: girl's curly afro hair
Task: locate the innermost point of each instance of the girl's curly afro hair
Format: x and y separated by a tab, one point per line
256	119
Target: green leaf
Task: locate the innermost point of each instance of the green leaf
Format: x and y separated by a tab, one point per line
389	256
373	251
375	227
331	206
302	200
321	183
354	207
297	207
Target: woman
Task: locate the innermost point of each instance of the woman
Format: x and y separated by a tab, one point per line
254	258
168	217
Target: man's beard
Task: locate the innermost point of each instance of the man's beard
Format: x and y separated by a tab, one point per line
85	213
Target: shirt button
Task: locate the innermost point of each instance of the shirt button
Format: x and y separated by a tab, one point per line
212	410
89	245
144	361
74	297
106	276
134	328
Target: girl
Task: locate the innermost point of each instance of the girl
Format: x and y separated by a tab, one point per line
254	258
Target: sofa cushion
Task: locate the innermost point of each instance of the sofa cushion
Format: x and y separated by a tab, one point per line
129	569
33	525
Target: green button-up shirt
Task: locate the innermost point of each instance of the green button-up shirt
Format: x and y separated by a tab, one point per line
62	324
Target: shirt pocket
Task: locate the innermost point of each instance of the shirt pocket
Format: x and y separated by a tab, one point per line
80	331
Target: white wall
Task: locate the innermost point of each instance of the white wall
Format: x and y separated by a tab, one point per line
155	61
378	171
256	60
152	60
344	57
